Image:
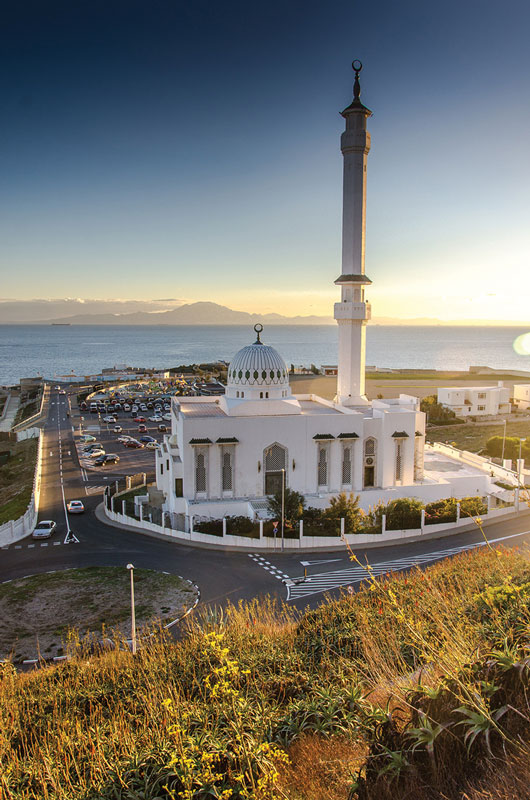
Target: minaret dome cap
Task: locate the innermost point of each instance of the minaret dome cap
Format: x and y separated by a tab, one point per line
258	364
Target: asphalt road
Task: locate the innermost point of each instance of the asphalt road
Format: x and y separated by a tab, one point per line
221	576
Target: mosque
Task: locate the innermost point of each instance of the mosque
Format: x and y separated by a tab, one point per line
226	454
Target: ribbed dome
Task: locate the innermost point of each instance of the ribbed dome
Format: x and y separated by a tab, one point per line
258	365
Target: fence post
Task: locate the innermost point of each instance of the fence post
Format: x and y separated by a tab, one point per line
301	529
141	506
261	529
123	508
422	524
112	504
163	520
342	526
383	523
224	526
116	487
489	503
457	512
145	478
191	523
517	499
128	482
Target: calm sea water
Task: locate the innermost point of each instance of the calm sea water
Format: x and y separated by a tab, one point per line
48	350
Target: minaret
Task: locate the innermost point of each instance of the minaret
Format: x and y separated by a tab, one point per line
353	312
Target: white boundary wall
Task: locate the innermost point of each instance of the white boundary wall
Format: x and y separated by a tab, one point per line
244	543
486	464
18	528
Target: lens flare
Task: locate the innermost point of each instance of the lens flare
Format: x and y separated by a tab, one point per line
522	345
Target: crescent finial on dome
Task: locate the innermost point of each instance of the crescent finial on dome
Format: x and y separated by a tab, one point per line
258	327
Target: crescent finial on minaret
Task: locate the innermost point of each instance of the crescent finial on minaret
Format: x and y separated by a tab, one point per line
357	67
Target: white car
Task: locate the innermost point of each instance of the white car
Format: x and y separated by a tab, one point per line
110	419
95	453
168	417
126	407
117	429
151	445
86	438
156	418
123	439
44	529
75	507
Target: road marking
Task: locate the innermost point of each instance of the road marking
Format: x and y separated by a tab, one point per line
44	544
18	547
325	581
70	538
56	543
324	561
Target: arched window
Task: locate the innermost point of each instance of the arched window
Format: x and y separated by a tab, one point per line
200	471
346	465
399	461
275	460
322	472
226	469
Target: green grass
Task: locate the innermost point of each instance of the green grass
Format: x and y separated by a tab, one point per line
473	437
16	478
358	698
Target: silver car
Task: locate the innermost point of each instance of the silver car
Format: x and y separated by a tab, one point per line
44	529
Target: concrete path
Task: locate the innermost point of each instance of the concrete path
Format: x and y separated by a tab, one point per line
10	413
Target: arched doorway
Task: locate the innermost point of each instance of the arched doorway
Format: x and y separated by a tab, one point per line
275	460
369	464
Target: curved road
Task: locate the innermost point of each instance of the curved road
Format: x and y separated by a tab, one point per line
222	576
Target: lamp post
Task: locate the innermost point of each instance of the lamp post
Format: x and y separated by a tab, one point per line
130	567
503	441
283	507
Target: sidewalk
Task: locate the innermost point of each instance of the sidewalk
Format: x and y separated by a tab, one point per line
10	413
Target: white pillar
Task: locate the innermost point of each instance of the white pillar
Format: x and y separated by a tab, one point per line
489	503
301	529
383	523
261	529
423	520
141	512
123	508
342	526
191	523
458	512
224	526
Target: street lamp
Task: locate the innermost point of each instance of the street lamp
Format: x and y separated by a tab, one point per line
130	567
283	507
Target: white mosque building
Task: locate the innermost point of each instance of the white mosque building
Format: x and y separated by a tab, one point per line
226	454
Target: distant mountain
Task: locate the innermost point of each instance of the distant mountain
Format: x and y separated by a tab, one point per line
202	313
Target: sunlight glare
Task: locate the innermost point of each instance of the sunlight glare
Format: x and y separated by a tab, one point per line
522	345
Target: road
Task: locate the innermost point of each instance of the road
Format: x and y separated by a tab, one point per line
222	576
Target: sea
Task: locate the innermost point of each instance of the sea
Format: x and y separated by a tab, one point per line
50	351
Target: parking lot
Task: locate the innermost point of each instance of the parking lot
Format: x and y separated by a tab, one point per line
131	460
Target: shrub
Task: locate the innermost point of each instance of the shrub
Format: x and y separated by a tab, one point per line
441	511
293	506
437	414
403	513
472	506
346	507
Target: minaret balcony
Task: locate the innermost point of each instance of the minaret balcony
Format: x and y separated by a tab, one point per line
354	311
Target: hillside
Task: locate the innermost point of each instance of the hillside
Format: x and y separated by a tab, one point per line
203	313
415	687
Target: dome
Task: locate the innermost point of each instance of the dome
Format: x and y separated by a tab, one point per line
258	364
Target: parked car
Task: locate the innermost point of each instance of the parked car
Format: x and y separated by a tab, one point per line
162	428
124	438
108	458
142	428
117	429
133	443
110	419
75	507
167	417
126	407
94	446
151	445
44	529
156	418
147	439
96	453
86	438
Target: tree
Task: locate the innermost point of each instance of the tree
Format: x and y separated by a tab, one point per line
403	513
344	506
511	447
437	414
293	506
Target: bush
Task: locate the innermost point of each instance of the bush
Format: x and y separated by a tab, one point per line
345	507
440	511
293	506
437	414
472	506
511	447
403	513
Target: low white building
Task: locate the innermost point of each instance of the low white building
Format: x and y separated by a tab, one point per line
476	401
521	396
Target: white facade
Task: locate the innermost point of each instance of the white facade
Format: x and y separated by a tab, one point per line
521	396
476	401
226	454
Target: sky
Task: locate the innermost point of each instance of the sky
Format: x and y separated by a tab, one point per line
184	151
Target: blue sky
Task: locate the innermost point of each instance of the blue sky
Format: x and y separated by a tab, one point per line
191	151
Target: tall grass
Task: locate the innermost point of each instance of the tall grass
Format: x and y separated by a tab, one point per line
414	687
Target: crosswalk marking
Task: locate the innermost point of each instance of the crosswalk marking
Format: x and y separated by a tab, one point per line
276	572
325	581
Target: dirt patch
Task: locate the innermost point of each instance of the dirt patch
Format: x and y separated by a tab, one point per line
44	613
